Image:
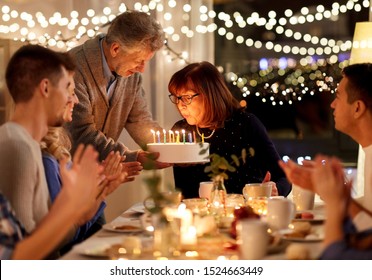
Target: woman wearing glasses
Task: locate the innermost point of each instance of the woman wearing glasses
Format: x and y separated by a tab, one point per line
209	109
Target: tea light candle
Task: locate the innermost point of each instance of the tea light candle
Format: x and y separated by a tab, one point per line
188	231
185	215
158	134
183	136
188	237
165	136
153	135
259	205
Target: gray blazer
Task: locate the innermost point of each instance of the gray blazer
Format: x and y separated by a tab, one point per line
98	121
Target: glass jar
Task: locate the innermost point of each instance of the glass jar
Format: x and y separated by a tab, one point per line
217	201
166	237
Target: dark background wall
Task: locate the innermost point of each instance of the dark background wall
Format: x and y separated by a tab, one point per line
303	128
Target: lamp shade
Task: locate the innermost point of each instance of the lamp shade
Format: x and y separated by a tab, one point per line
361	51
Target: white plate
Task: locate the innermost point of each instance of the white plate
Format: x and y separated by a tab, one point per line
96	252
277	247
190	162
139	208
116	228
313	238
317	218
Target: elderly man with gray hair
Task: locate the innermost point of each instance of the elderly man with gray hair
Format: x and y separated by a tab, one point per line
109	86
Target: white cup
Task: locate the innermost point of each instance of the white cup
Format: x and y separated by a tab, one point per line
280	213
304	199
205	189
252	238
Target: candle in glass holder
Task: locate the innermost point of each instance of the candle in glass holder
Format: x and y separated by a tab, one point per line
235	200
185	215
189	238
258	204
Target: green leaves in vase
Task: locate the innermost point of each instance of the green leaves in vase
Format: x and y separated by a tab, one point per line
221	166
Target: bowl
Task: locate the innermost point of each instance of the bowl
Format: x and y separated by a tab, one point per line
197	205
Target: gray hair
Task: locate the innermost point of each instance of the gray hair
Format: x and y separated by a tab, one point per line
136	29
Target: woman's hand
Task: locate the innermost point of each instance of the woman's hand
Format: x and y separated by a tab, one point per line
132	168
81	181
274	189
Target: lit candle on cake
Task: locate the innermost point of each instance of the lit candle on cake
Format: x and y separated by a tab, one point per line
177	136
170	133
203	138
183	136
194	135
190	137
158	134
165	136
153	135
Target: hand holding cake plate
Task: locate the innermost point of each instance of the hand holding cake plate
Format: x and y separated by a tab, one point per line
150	160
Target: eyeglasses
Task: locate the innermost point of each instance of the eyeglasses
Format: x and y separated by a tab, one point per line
186	99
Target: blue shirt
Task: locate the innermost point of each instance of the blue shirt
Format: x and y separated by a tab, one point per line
110	76
11	230
341	250
51	167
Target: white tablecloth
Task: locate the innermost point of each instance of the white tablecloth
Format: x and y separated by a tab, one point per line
94	247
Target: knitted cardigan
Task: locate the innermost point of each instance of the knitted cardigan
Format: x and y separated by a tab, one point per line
100	121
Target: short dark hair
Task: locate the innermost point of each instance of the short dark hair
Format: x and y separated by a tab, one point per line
205	79
359	86
133	29
29	65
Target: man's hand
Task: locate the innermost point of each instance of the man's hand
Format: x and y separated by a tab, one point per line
298	174
148	160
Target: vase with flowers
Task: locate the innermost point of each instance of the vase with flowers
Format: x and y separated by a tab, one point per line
218	171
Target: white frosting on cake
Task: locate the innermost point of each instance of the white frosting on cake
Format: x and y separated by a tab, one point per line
180	152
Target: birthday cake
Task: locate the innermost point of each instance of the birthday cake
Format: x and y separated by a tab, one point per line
180	152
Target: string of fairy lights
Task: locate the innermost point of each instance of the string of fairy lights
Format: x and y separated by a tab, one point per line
275	83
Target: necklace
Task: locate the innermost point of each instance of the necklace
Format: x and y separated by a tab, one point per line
205	137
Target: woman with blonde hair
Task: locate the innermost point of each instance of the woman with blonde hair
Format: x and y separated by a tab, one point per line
56	147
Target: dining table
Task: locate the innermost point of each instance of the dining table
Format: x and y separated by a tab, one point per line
99	245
